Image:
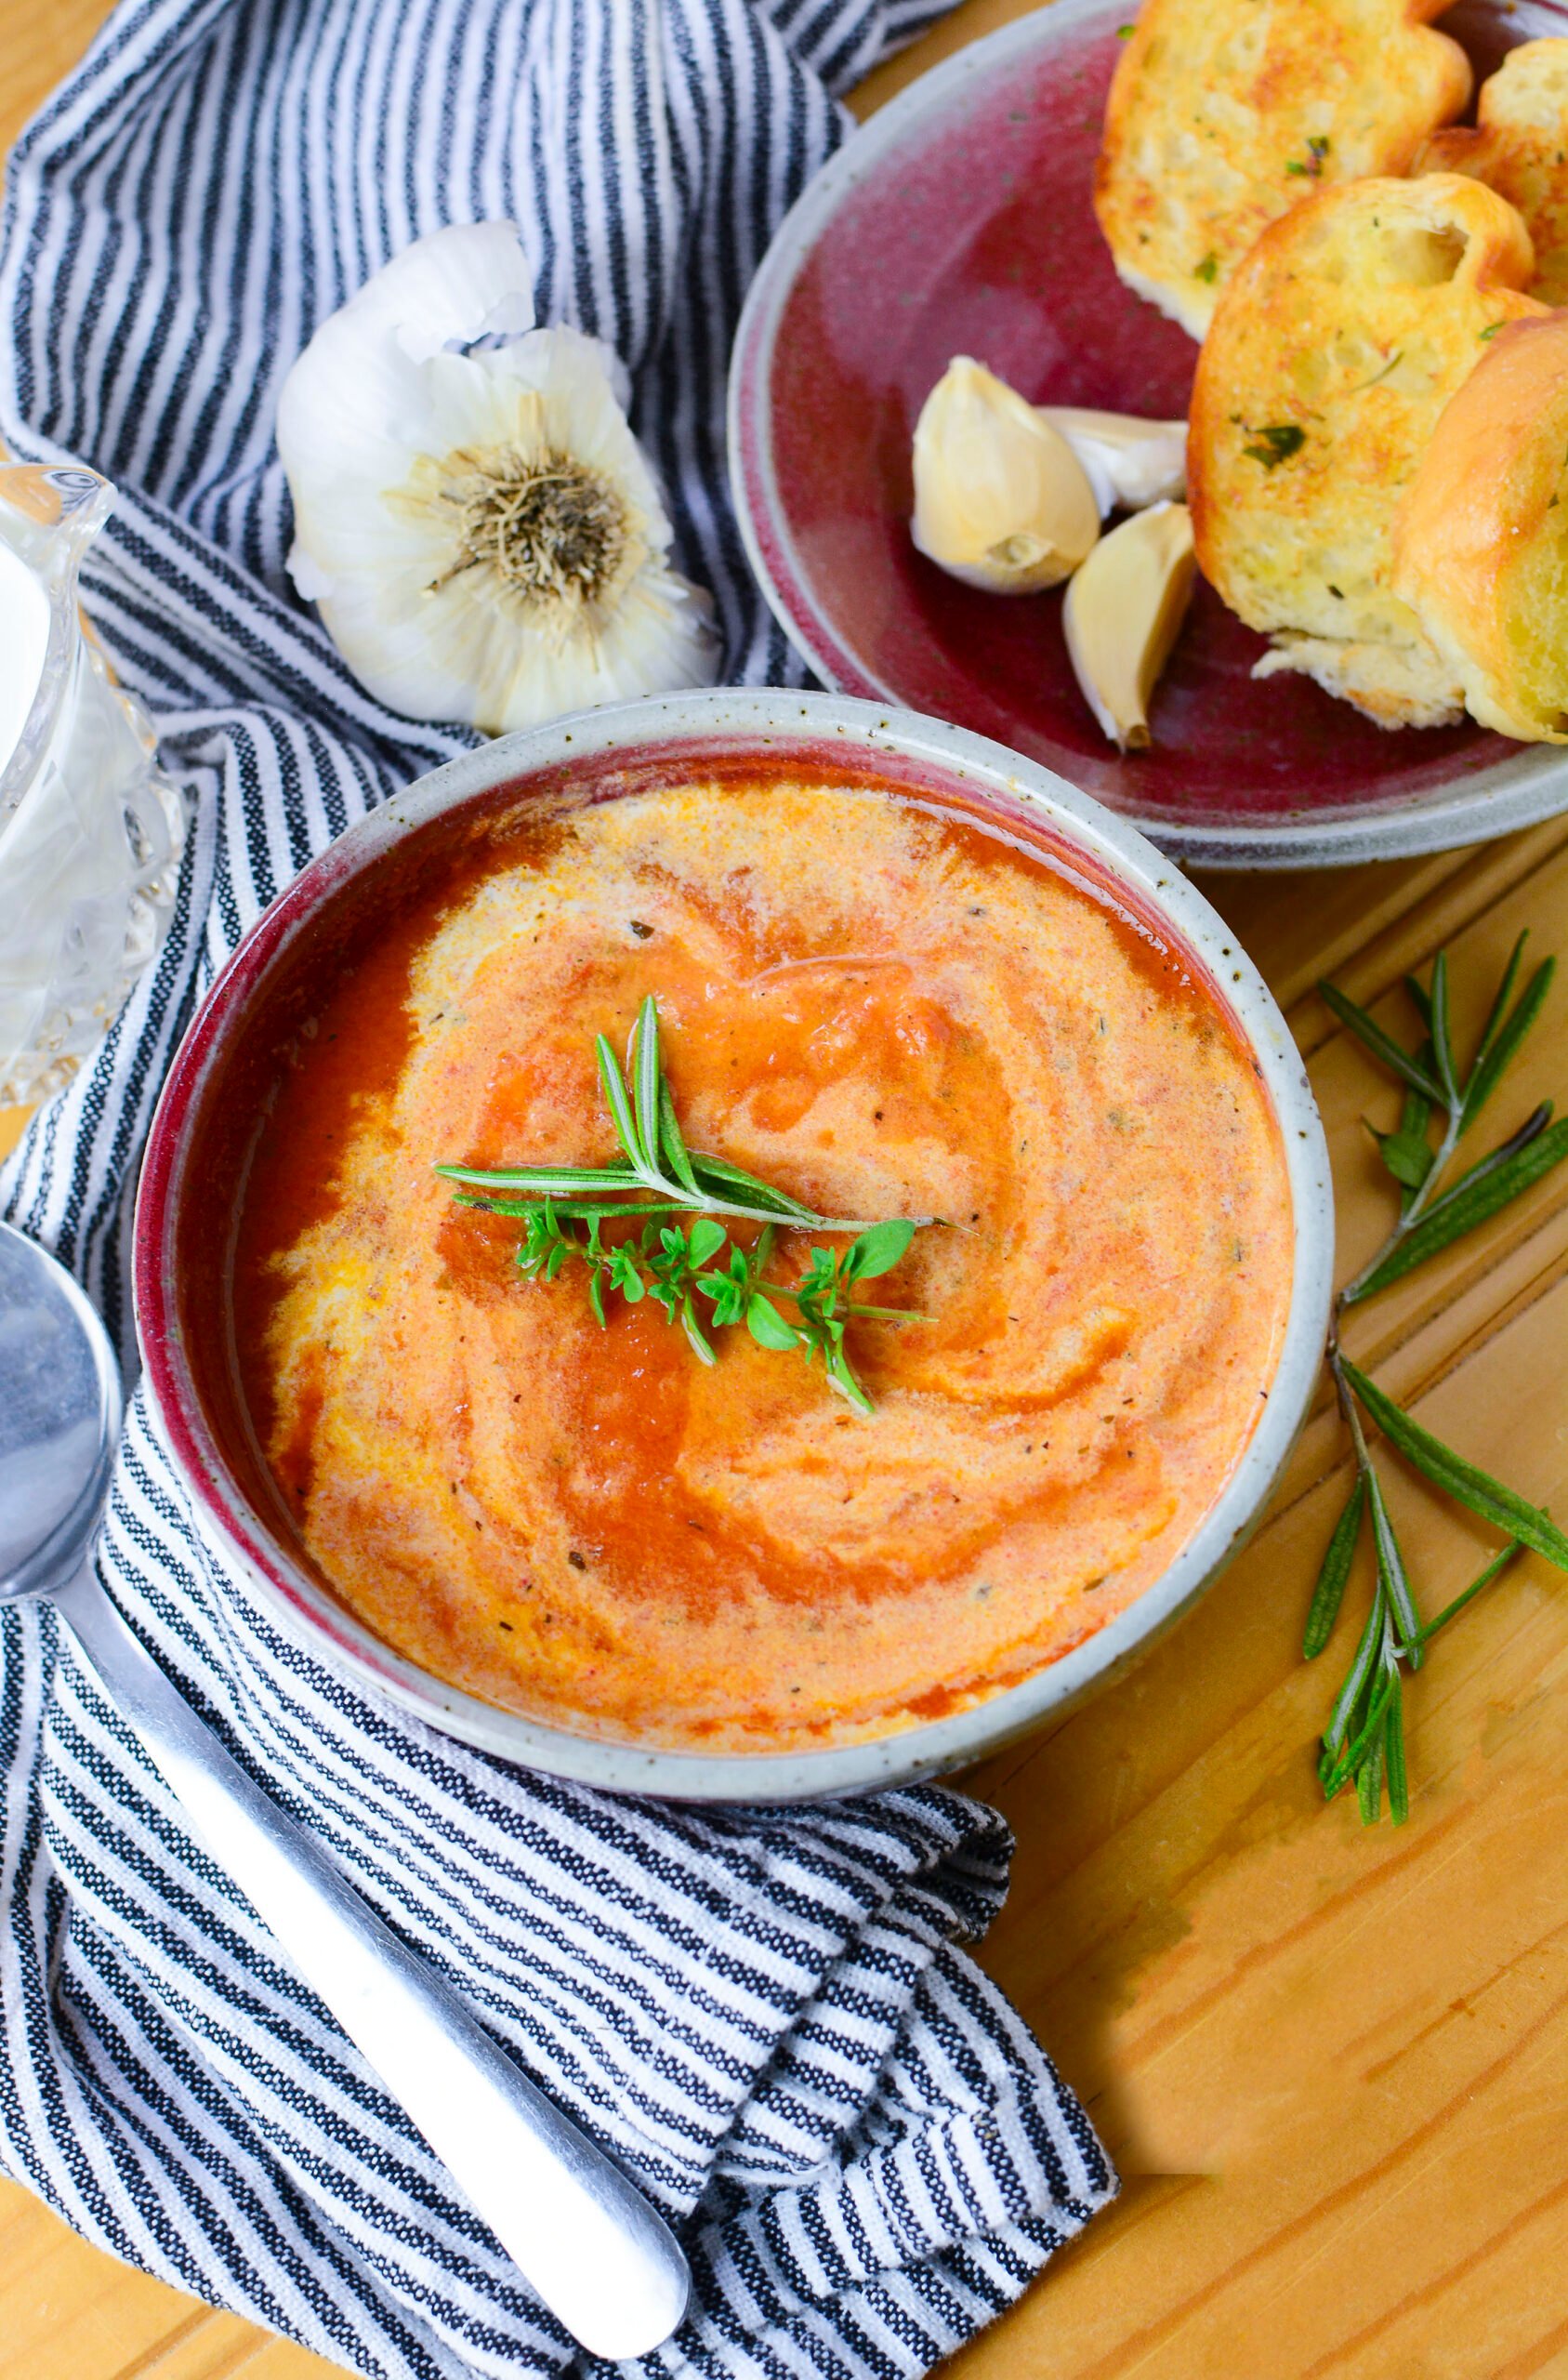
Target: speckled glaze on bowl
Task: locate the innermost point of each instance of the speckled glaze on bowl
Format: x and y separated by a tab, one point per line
959	222
213	1107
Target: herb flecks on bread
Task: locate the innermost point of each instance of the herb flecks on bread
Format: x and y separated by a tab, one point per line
1518	147
1332	353
1223	113
1481	546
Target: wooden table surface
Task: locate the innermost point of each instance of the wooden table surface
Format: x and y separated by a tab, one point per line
1332	2064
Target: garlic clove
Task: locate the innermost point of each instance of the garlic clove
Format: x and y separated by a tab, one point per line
1000	498
1129	461
1122	614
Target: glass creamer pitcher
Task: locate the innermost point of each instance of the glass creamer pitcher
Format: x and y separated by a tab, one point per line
90	834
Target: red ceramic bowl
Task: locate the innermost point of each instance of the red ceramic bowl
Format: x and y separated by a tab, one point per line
959	222
215	1104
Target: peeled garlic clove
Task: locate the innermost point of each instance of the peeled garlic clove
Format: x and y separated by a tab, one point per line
1000	498
1130	462
1122	614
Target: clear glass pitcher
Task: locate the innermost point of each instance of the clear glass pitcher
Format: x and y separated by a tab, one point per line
90	834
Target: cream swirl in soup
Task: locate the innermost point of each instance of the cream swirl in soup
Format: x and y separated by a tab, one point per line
885	1010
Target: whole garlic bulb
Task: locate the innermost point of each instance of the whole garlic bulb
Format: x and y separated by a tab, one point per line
480	528
1000	498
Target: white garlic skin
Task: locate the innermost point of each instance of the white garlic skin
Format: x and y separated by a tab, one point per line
1130	462
430	374
1123	614
1000	499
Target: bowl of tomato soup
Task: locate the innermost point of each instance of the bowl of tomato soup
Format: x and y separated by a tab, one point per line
659	1493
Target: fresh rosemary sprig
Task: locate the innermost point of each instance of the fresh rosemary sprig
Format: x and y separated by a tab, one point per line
564	1209
1364	1742
658	1161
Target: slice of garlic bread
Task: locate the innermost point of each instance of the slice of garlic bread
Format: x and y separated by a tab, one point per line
1332	353
1518	147
1223	113
1481	544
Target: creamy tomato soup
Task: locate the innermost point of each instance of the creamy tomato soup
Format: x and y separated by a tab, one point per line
885	1010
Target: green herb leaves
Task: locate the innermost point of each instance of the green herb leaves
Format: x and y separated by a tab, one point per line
1462	1480
1364	1738
1313	164
1429	1221
564	1210
657	1159
1276	443
1504	1031
1382	1045
824	1305
1475	1197
877	1251
675	1267
1329	1592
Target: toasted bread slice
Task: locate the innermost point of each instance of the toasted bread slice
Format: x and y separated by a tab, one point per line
1481	544
1332	353
1223	113
1519	148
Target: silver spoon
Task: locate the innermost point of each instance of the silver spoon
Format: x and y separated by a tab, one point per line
583	2237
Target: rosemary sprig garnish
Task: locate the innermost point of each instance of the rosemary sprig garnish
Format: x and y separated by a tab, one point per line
657	1159
564	1209
1364	1742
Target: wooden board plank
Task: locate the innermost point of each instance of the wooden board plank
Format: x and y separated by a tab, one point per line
38	47
70	2313
1334	2064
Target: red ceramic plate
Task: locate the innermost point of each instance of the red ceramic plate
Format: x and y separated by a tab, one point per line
959	222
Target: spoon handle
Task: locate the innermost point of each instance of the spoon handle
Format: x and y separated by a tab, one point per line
585	2238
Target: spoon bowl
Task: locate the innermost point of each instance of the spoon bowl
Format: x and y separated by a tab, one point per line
59	1419
577	2229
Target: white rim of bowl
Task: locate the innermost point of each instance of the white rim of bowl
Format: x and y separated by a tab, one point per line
1530	784
933	1747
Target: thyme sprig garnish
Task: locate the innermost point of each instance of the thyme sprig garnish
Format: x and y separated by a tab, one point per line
1364	1742
565	1208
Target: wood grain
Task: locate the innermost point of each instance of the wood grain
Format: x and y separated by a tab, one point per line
1333	2063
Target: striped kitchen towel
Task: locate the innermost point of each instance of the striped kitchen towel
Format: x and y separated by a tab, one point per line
765	2013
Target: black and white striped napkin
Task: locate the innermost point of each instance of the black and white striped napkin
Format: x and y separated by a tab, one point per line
764	2013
